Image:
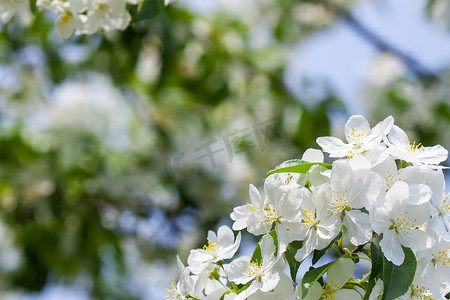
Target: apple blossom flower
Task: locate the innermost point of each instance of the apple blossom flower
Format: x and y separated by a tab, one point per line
284	213
360	137
402	148
264	275
440	206
184	286
317	227
414	176
210	283
436	265
280	207
283	291
221	246
400	223
419	288
337	276
241	213
346	194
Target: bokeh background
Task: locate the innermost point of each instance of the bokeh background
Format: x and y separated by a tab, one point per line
119	151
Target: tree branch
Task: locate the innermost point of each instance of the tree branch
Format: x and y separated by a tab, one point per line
413	65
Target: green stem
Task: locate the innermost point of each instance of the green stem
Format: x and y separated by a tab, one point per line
365	276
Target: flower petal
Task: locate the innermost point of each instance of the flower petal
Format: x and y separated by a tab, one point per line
334	146
390	245
313	155
358	226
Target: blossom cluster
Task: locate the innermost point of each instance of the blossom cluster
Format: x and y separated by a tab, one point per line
77	16
384	196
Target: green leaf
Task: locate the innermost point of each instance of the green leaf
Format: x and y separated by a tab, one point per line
150	9
257	254
319	253
295	166
290	258
397	279
377	265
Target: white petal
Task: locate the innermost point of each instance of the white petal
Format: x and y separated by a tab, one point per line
433	279
269	281
313	155
267	248
398	137
356	124
358	226
283	238
225	236
255	226
390	245
289	205
419	194
334	146
385	125
432	155
236	269
377	290
309	245
416	239
415	174
341	175
198	260
255	197
398	193
441	225
228	252
66	26
437	184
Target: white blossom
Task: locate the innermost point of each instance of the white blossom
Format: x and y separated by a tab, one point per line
184	286
400	223
347	193
317	227
440	207
402	148
360	138
436	265
283	291
241	213
264	275
220	247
